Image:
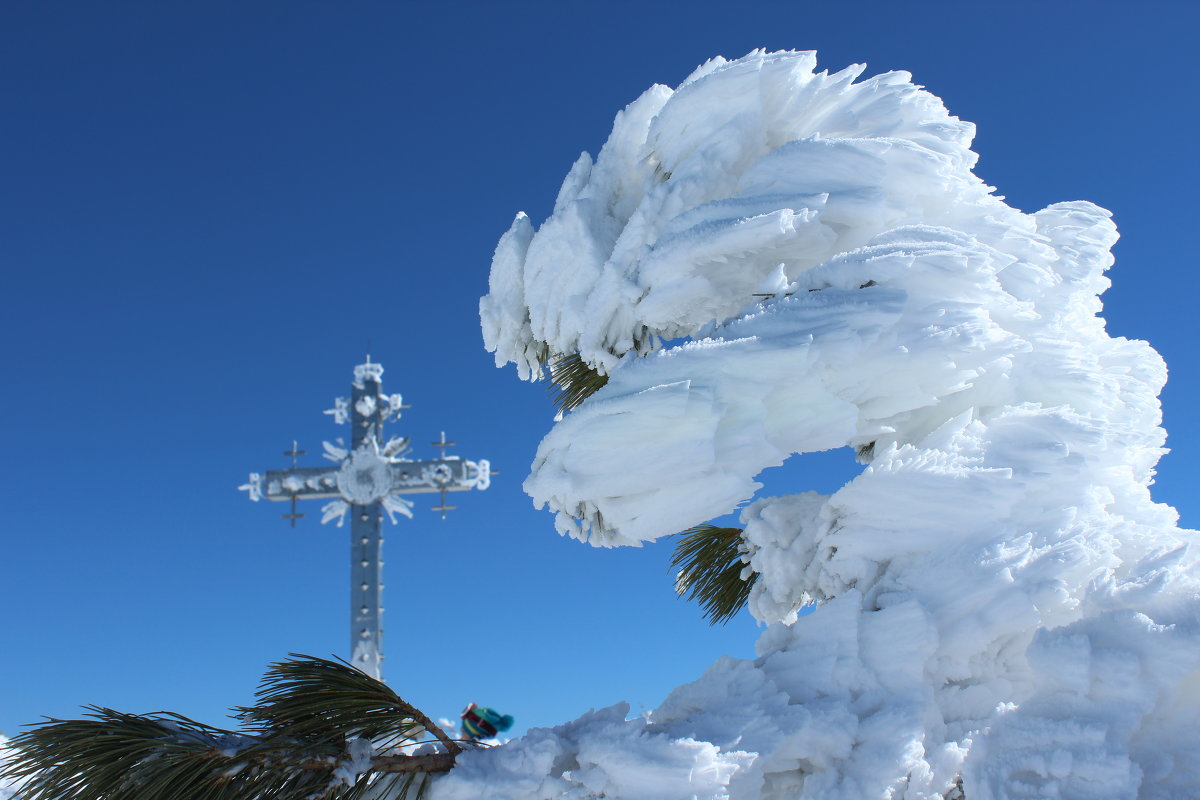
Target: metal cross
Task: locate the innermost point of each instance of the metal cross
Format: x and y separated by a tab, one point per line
295	451
365	482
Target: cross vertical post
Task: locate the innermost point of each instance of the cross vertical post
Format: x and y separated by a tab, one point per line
365	483
366	530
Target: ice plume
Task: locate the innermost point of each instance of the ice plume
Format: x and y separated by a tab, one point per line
1004	611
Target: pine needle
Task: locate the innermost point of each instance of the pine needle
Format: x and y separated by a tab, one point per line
571	380
709	560
321	701
118	756
297	747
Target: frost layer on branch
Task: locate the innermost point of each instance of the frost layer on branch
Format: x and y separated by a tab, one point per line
768	261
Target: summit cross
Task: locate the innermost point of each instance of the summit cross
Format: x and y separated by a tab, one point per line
365	482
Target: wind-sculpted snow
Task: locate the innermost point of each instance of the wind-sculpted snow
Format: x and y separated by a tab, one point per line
769	261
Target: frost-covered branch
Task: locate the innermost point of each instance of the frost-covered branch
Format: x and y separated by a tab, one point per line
320	730
713	570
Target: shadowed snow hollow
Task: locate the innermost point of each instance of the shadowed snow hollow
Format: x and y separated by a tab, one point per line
768	261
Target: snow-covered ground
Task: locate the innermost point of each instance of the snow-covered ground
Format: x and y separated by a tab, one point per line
1002	605
7	789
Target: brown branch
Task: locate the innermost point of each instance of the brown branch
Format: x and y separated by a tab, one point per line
428	724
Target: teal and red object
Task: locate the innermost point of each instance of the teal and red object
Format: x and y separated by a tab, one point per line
481	722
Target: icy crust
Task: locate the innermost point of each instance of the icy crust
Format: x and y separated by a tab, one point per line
877	347
1004	611
699	193
598	755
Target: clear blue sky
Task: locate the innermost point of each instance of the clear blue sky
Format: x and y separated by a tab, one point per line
210	211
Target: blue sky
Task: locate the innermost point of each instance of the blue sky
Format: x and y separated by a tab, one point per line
211	212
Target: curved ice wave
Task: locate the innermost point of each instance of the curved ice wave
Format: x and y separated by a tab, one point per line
700	193
769	261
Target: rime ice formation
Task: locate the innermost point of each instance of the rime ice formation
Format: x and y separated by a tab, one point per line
1004	611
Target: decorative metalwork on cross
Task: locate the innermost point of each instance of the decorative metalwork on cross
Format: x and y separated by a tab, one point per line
366	482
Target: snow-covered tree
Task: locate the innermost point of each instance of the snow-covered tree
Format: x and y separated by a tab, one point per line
768	260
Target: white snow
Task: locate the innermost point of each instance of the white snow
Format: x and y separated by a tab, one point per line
8	789
396	447
367	372
366	405
334	510
393	404
395	504
1001	601
335	452
253	487
359	752
341	410
597	755
479	474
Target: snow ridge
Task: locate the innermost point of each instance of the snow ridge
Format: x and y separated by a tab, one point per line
770	260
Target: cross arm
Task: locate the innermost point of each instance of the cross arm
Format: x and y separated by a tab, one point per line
369	477
300	482
451	474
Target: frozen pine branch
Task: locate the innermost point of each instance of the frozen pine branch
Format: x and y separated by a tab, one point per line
712	572
321	730
572	380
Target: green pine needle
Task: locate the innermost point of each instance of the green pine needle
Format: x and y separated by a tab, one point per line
325	702
119	756
572	380
299	733
709	560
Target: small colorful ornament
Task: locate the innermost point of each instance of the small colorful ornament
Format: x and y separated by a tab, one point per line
481	722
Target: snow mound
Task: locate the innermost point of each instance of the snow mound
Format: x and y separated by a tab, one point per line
8	789
597	755
770	260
